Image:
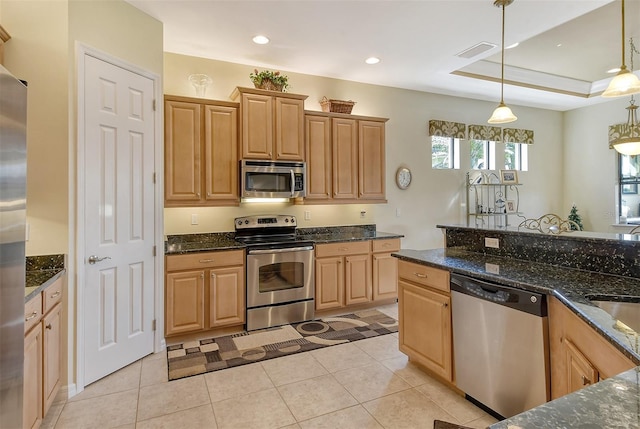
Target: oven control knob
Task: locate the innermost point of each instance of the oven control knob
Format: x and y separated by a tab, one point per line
534	299
286	220
293	220
239	222
246	222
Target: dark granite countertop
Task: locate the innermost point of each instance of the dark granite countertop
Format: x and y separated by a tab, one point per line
187	243
42	271
609	403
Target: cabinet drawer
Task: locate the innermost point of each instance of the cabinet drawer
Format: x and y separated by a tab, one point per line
32	312
204	260
52	295
340	249
424	275
389	245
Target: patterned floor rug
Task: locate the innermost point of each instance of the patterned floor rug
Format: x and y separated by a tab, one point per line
212	354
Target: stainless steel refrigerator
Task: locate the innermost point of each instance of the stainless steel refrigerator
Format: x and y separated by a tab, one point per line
13	205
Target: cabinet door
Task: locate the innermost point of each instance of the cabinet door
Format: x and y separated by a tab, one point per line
344	145
371	160
289	127
318	152
32	388
226	297
357	279
385	276
221	153
182	147
257	126
184	302
329	283
425	328
580	372
51	356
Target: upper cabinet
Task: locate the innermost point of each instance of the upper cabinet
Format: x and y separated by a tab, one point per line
201	157
272	124
345	158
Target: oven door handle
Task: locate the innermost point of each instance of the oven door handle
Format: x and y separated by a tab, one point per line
270	251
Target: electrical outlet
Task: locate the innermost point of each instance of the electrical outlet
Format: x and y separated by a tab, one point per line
398	212
492	242
363	214
492	268
194	219
307	215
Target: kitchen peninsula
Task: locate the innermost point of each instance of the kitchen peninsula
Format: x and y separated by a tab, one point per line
573	270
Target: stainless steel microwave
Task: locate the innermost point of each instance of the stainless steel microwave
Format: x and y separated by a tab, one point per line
273	179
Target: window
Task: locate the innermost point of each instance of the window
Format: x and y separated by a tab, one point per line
516	156
445	152
483	154
628	181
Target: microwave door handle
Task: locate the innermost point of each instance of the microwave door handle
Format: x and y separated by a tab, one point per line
293	183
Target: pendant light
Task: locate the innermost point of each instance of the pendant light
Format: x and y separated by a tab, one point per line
625	82
502	114
628	141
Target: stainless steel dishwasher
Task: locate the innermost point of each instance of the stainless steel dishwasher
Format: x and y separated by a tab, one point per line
500	345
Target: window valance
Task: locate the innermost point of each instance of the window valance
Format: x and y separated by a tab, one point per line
517	135
485	132
456	130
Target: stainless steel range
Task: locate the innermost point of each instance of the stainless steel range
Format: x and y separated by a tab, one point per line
280	279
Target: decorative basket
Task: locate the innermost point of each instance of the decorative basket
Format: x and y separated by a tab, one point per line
336	106
269	85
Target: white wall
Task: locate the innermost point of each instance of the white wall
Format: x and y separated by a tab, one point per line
434	197
590	168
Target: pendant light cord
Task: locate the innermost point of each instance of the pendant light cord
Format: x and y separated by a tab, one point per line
623	65
502	61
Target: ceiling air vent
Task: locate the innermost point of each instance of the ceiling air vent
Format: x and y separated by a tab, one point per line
476	49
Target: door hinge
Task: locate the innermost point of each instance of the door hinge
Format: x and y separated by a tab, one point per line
154	105
154	251
154	178
153	325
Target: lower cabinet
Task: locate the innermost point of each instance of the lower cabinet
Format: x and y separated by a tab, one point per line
204	291
579	355
343	274
32	393
424	310
42	357
385	268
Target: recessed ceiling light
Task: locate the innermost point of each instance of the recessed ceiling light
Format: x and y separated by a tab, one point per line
261	40
512	45
372	60
559	45
615	70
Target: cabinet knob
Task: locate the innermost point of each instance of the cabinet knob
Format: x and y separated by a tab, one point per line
205	261
213	275
445	305
202	276
585	381
31	316
55	294
48	326
421	276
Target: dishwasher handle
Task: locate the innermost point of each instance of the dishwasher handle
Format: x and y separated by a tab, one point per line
518	299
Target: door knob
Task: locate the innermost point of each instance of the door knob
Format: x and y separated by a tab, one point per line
93	259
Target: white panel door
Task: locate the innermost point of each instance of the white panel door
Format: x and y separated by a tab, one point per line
119	218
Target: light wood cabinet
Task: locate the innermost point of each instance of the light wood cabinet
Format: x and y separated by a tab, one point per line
204	291
42	353
345	158
318	151
32	393
385	269
51	365
579	355
201	152
272	124
425	329
343	274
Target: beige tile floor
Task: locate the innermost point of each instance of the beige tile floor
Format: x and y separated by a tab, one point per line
364	384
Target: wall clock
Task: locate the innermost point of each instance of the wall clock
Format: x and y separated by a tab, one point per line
403	177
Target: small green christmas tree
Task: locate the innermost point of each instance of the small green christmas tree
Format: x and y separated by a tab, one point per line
575	217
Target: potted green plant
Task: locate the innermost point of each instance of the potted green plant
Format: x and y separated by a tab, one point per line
266	79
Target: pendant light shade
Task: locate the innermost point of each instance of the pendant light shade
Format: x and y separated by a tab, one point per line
502	114
625	82
627	141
